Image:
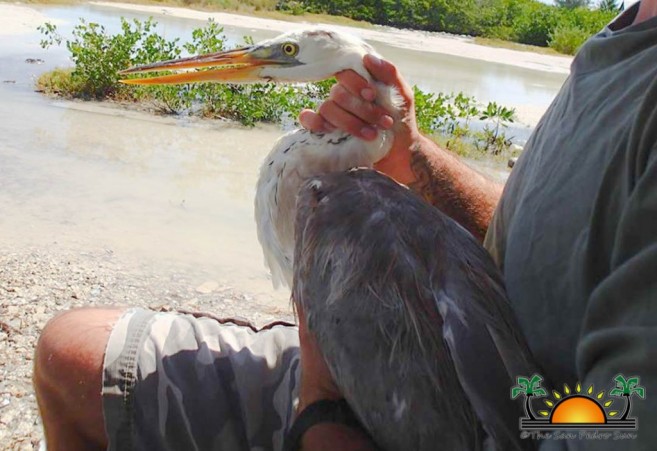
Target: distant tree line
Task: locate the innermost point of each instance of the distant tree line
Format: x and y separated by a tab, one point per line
563	26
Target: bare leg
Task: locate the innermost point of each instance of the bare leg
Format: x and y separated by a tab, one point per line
68	369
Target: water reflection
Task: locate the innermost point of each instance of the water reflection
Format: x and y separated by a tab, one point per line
166	190
434	72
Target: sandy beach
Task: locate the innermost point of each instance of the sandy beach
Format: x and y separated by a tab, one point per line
37	283
406	39
43	275
17	19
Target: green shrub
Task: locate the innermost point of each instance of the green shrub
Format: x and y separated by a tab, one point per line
98	57
534	24
568	39
525	21
571	4
58	82
589	21
293	7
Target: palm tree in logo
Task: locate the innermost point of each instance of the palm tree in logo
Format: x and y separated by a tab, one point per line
627	388
530	388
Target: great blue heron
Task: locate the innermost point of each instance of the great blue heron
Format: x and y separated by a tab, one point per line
300	56
407	307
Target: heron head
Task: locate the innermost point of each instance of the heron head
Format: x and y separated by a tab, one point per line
298	56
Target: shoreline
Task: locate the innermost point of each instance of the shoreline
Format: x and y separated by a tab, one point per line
48	271
22	18
36	283
422	41
19	18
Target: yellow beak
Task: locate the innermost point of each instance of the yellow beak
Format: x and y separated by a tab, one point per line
230	66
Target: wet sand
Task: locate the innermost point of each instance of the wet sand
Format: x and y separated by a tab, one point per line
101	205
405	39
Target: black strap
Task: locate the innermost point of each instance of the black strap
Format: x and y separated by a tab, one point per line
323	411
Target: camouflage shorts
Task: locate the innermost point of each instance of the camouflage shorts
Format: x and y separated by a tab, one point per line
179	382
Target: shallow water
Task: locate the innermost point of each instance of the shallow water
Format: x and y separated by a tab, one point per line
174	193
529	90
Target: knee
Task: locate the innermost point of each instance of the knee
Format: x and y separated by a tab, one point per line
68	369
71	349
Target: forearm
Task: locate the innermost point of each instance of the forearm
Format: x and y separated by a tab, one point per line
414	160
443	180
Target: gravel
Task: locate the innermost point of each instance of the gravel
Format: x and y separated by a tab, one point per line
35	284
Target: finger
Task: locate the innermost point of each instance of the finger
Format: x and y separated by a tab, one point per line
346	121
356	84
367	111
382	70
388	74
314	122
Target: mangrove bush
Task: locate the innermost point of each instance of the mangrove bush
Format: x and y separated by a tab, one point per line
98	56
524	21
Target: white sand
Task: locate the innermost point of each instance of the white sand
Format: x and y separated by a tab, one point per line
18	19
407	39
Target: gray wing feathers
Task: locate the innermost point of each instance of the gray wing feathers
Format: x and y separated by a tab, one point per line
410	313
478	351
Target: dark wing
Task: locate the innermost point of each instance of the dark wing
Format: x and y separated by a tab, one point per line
408	310
483	337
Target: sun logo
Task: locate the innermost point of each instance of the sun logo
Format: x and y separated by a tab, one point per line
577	408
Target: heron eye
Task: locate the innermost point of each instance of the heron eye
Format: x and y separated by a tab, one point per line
290	49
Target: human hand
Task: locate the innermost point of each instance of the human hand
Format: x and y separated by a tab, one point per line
351	108
316	380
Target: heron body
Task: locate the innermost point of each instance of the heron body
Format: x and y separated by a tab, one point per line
420	338
408	309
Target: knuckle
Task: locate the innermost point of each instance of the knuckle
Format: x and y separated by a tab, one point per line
355	81
393	69
327	108
368	112
310	121
342	96
334	90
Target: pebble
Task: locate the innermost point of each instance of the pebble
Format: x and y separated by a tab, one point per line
207	287
37	283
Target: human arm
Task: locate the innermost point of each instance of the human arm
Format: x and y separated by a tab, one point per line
414	160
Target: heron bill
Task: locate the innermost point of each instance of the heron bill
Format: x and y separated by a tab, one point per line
239	65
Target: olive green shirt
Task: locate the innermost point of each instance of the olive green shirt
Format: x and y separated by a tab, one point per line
576	230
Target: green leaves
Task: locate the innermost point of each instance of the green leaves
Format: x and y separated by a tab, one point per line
528	387
208	39
609	5
572	4
497	112
450	115
99	56
517	391
50	35
525	21
627	387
